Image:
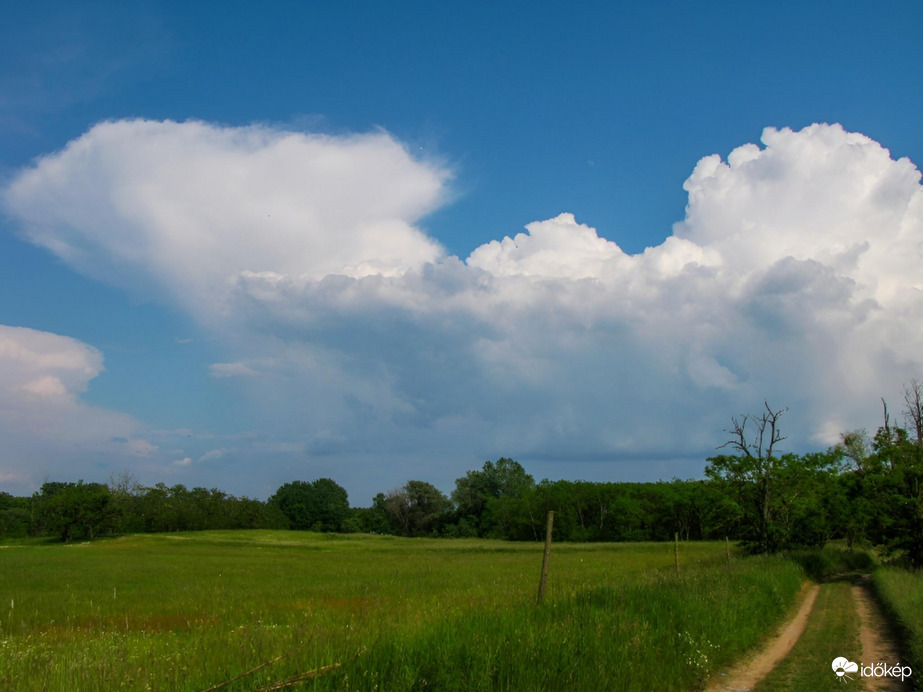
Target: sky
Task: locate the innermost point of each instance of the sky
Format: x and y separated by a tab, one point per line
248	243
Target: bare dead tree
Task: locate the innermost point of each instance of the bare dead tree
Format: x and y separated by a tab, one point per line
913	408
758	448
765	437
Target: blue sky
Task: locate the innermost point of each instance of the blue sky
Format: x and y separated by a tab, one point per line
488	117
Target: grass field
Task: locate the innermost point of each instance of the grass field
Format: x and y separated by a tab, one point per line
901	592
189	611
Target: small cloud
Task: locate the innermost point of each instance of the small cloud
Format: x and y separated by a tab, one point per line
181	340
236	369
42	377
830	432
212	454
12	477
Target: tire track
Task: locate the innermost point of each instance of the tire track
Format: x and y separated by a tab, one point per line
746	675
877	639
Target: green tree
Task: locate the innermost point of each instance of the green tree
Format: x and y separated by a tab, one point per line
894	481
417	508
801	508
74	510
488	500
321	505
331	505
14	516
372	519
126	495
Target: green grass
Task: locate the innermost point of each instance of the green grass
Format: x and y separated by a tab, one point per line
651	633
831	562
832	631
186	611
901	593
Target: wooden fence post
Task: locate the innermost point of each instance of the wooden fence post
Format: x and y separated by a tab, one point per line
676	552
544	578
727	547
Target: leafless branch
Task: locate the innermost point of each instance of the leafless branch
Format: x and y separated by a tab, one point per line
311	674
225	683
764	439
913	408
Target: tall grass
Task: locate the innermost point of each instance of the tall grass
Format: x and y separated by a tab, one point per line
901	592
655	632
185	612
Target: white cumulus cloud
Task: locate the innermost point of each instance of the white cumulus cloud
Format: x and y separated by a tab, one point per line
794	277
44	424
559	247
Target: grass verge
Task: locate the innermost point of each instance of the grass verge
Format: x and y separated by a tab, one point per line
901	593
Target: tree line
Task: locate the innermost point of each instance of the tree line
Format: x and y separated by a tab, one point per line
868	489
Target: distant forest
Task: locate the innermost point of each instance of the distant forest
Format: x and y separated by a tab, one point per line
866	490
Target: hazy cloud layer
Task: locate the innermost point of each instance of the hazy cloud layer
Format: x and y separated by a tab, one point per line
794	277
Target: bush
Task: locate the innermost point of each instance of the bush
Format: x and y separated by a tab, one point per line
821	565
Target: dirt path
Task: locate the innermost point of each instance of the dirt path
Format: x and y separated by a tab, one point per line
876	637
744	676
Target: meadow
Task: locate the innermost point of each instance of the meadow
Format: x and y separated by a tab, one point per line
194	611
